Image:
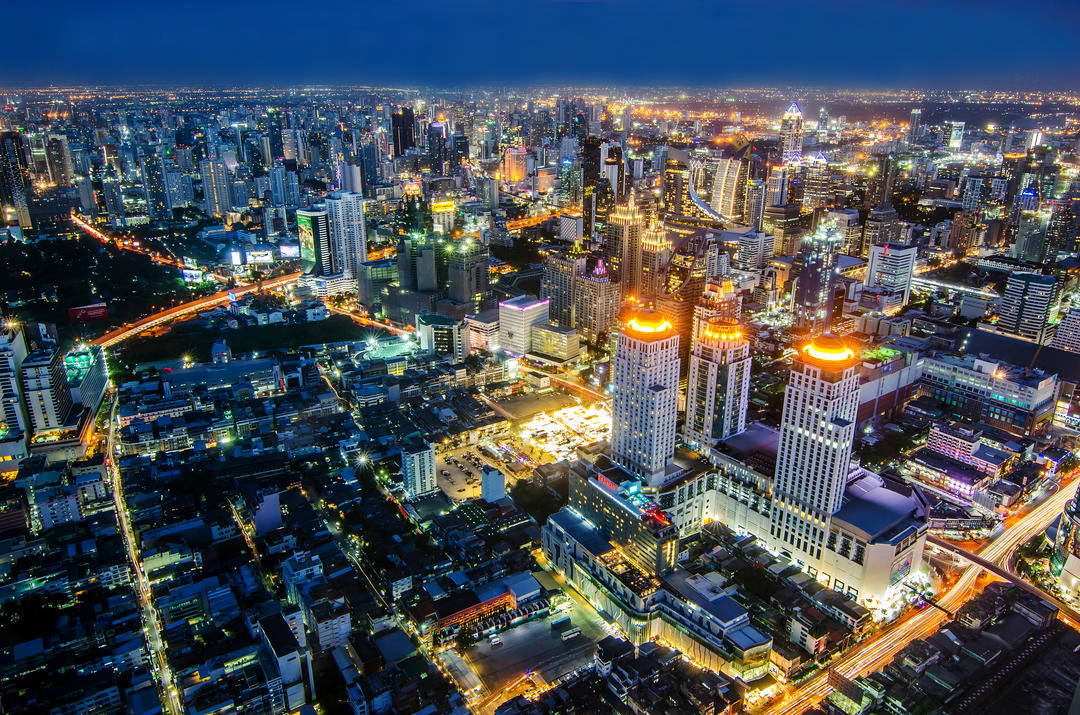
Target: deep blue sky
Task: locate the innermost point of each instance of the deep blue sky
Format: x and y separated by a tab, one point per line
864	43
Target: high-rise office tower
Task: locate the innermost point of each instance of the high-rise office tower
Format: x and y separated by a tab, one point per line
914	126
791	134
614	170
277	185
625	228
676	187
467	273
12	354
816	433
58	155
655	248
956	135
217	196
822	125
756	249
348	229
596	303
755	203
438	146
891	266
403	127
817	184
514	166
879	191
158	207
592	161
718	384
114	200
729	184
882	226
14	178
776	186
418	468
719	299
1029	301
45	390
1067	336
816	263
847	223
316	249
645	396
517	317
560	273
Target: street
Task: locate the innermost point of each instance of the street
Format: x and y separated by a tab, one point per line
151	624
874	653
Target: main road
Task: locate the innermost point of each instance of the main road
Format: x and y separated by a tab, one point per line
151	623
211	301
876	652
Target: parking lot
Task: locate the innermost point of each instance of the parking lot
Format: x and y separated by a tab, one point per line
454	467
534	647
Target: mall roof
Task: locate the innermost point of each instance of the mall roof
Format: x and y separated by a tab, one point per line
878	513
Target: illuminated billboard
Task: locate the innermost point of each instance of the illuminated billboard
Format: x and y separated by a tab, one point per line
307	241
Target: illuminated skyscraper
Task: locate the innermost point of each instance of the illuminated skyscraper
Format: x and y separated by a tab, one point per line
645	396
816	264
776	186
114	200
816	434
215	185
791	134
438	146
467	273
625	227
1029	301
822	125
514	165
729	184
817	185
914	125
14	178
891	266
882	226
596	303
316	248
154	189
755	204
655	248
403	127
348	229
58	155
560	274
718	384
956	135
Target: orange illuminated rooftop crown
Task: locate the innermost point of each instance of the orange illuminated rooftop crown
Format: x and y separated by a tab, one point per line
648	323
828	351
721	328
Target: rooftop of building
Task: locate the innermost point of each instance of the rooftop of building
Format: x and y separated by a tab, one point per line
950	468
756	446
881	511
989	364
1049	360
523	302
649	324
829	352
716	603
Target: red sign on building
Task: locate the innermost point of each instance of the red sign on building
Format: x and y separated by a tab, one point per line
86	313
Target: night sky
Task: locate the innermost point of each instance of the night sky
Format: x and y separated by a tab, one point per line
854	43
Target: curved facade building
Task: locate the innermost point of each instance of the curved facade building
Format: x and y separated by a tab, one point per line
1065	561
